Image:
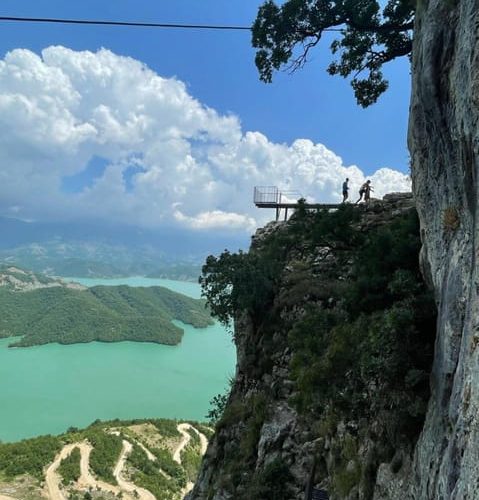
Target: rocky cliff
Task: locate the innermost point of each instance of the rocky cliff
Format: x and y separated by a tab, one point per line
335	331
442	463
443	141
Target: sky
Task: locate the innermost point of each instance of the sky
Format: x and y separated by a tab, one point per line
173	128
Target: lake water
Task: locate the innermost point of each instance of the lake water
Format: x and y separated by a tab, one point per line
46	389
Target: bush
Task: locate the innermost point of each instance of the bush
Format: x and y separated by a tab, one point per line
271	483
218	405
167	428
28	456
372	350
191	460
105	453
69	468
148	475
217	408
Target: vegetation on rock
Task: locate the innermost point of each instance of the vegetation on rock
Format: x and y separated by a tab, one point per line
342	293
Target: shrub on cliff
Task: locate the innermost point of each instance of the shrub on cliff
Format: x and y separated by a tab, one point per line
371	350
244	282
248	281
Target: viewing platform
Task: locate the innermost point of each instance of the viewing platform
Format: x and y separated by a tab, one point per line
272	197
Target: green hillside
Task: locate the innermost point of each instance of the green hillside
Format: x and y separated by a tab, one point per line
107	314
34	469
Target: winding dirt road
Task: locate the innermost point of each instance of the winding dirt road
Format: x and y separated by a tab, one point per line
87	480
52	479
128	489
124	485
183	430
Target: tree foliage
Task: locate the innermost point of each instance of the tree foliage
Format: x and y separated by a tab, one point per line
368	37
69	468
28	456
105	453
233	283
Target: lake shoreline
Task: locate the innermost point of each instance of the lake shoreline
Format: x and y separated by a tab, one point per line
48	388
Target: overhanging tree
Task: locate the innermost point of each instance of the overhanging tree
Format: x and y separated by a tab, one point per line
369	37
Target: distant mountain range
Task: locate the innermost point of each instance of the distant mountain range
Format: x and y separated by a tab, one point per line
89	249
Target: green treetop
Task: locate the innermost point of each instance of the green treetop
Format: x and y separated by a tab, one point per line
368	37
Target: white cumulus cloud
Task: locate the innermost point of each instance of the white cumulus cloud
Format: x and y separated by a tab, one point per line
167	158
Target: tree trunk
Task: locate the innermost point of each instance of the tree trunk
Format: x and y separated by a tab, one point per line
444	146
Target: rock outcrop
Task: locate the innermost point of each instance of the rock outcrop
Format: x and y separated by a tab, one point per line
266	446
19	280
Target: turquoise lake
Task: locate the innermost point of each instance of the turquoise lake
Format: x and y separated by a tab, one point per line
46	389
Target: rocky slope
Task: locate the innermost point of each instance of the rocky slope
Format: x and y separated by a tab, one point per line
334	351
18	280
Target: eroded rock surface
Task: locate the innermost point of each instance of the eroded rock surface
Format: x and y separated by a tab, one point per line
443	140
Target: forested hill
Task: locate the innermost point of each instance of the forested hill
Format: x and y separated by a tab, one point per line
53	311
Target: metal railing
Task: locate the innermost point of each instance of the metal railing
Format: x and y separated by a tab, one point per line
266	195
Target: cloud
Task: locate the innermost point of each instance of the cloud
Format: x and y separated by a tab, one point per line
168	159
216	218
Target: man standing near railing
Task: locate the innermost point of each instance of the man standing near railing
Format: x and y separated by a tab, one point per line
345	190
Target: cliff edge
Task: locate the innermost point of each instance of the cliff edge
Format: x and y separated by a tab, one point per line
335	329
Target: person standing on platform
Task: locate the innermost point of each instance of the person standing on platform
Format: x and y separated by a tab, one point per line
345	190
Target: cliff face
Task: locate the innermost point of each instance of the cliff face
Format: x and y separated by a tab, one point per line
444	146
333	364
443	140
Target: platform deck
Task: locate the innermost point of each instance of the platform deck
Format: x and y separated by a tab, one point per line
315	206
278	206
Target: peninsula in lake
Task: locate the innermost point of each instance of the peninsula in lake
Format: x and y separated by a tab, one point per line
42	310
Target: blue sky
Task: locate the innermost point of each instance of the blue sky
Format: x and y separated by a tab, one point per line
93	134
220	72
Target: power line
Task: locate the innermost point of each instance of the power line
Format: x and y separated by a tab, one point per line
133	24
125	23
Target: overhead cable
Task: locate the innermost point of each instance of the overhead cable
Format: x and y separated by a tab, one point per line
135	24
